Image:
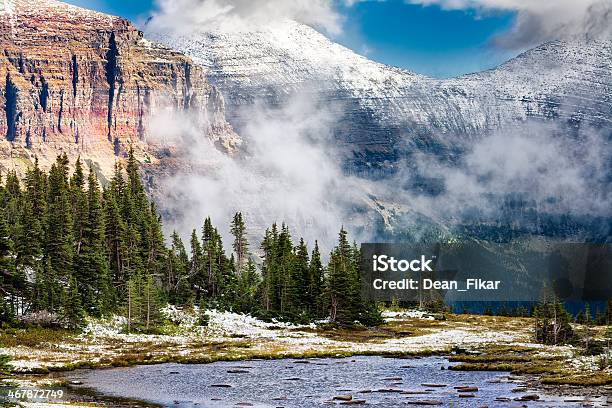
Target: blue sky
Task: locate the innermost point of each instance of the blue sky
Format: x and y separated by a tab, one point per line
427	40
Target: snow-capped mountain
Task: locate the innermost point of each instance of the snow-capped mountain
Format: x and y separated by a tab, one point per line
386	108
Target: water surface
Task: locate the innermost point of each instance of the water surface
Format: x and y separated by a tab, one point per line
379	381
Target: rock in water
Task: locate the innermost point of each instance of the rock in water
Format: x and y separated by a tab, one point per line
528	397
466	389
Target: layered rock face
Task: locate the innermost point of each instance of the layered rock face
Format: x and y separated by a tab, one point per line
88	83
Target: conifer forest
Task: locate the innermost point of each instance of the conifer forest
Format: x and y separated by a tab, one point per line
71	247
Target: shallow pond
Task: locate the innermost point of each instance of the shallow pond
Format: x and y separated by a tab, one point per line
375	381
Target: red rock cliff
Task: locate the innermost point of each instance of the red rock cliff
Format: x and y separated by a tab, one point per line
85	82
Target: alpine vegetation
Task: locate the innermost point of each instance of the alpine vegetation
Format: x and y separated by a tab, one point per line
71	249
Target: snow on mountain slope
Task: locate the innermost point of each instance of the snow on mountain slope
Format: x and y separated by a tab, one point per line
383	108
386	117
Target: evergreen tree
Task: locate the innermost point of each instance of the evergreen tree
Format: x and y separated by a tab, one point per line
133	303
9	283
12	201
79	205
316	272
212	258
587	328
176	280
342	284
301	300
269	270
240	245
59	237
552	322
285	262
72	249
248	283
72	309
30	236
196	271
91	266
150	302
156	247
115	230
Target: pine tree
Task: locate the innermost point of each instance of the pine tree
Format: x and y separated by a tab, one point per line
9	283
285	263
151	304
91	266
196	271
79	205
114	234
211	258
29	236
301	298
59	232
176	281
269	269
240	245
133	302
12	201
145	235
72	309
156	247
87	251
342	293
248	283
315	280
552	322
587	328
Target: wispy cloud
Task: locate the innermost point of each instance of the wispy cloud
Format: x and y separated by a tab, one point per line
242	15
538	21
289	171
551	171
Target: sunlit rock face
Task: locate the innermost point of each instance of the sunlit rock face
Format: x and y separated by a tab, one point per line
87	83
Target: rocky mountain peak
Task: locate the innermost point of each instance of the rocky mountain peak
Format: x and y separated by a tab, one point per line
87	83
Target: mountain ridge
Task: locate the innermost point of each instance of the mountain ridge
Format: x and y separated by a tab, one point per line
387	104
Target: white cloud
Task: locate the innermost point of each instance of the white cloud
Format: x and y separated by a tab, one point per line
242	15
289	172
539	163
538	21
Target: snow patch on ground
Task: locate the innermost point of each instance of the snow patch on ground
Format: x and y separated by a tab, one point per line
185	318
105	327
233	324
407	314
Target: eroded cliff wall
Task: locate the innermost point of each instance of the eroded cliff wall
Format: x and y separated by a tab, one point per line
86	83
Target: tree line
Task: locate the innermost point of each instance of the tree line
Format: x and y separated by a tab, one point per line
71	248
